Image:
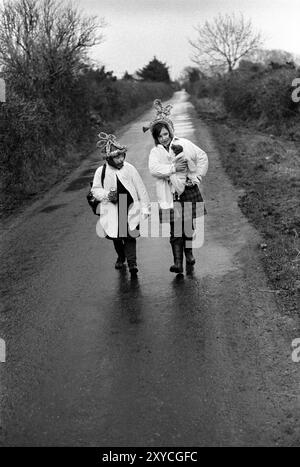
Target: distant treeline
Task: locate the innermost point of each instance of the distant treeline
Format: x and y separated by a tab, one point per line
256	93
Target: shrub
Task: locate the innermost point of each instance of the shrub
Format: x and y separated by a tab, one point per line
40	133
264	95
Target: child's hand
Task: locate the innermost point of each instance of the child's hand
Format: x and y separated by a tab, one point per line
180	163
113	196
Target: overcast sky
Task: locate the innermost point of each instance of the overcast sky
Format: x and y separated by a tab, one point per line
139	29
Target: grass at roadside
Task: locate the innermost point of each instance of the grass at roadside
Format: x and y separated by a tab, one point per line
267	168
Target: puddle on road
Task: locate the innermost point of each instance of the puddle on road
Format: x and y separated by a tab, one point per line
182	121
214	260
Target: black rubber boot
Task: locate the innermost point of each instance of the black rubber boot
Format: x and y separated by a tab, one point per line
130	251
120	263
190	260
133	270
177	248
119	247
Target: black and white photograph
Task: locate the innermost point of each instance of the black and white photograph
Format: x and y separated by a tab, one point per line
149	226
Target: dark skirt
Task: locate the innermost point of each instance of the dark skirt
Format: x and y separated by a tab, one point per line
189	206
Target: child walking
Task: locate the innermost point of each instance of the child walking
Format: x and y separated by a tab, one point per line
123	200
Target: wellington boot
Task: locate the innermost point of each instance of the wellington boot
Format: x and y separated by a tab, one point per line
190	260
133	269
177	248
120	263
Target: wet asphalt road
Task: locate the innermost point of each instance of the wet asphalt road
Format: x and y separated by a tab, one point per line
97	359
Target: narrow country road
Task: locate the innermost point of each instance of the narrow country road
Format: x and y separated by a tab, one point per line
95	359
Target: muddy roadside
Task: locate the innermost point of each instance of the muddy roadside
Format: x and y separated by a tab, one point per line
266	170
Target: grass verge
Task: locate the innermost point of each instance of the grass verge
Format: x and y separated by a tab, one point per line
267	168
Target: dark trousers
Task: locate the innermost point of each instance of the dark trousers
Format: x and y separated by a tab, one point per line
126	248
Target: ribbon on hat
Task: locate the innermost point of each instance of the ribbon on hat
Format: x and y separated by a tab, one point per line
105	139
105	142
162	115
161	110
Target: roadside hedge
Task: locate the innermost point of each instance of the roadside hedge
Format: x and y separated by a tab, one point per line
43	133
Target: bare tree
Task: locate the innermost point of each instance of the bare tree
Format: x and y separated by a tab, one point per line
222	42
44	40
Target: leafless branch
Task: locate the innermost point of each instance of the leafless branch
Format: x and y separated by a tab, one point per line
225	40
43	39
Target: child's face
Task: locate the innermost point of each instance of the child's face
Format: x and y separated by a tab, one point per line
118	161
164	137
